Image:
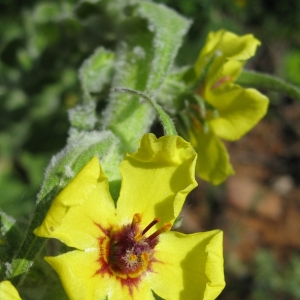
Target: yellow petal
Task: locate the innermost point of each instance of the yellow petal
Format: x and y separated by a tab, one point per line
81	281
77	271
8	291
189	266
230	52
156	179
213	163
82	204
239	110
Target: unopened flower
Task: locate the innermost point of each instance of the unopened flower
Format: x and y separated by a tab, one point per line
127	251
8	291
229	110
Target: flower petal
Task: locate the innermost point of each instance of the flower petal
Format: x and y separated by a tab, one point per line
77	271
239	110
213	160
82	204
230	51
190	266
156	179
81	281
8	291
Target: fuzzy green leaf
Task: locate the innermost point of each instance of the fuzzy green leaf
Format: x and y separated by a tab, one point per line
169	28
96	72
143	62
10	237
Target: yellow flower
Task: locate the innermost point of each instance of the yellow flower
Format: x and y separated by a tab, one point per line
231	110
8	291
126	251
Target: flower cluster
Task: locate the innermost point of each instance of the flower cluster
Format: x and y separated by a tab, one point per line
229	110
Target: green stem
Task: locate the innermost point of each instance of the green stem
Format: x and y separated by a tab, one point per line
266	81
30	247
168	125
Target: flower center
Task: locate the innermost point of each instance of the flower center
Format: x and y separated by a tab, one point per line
131	252
222	80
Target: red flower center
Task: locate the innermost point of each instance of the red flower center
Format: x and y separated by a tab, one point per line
131	252
126	253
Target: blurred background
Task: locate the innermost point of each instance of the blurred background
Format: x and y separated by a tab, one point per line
42	45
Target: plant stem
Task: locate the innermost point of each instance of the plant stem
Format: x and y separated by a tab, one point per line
266	81
168	126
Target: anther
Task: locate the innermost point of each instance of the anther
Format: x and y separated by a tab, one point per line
137	218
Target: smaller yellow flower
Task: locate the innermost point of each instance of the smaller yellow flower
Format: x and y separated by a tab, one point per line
8	291
231	109
126	251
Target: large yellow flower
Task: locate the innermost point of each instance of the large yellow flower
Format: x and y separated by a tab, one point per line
127	251
8	291
231	110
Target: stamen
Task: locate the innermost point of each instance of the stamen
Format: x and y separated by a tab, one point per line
226	78
137	218
155	221
164	228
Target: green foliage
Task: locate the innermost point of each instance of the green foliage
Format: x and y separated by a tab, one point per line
164	118
275	281
292	66
142	70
